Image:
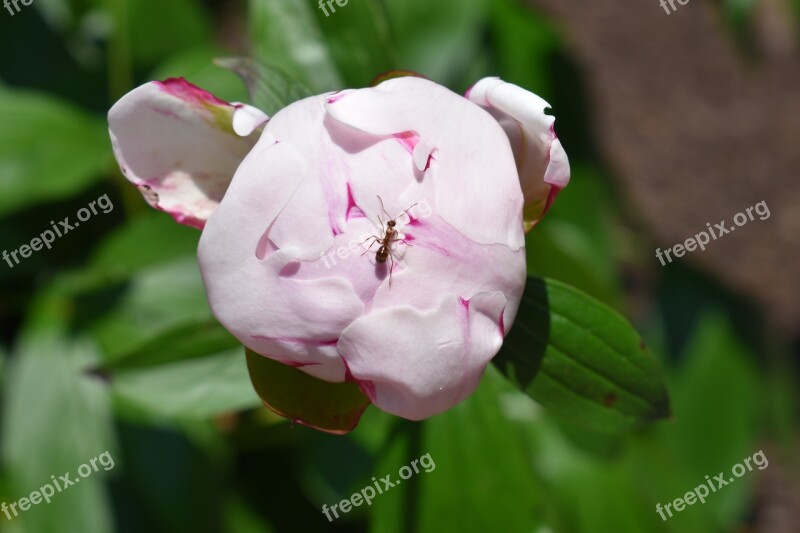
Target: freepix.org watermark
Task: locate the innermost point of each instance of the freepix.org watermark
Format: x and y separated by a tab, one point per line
700	492
701	239
47	237
8	3
368	493
48	490
329	3
672	5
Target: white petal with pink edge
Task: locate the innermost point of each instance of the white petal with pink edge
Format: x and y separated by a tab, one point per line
416	364
177	144
542	163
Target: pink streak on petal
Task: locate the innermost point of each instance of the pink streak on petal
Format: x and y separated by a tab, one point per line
469	90
291	268
368	388
294	340
295	364
179	216
165	112
466	325
432	244
348	375
186	220
353	211
335	97
184	90
408	139
430	158
502	324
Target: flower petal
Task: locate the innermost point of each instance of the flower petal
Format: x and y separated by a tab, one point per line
438	260
177	144
542	163
417	364
350	170
294	321
247	119
478	194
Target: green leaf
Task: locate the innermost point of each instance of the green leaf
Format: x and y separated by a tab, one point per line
718	397
524	44
270	88
131	314
56	418
358	37
195	339
157	29
479	460
330	407
558	249
193	389
575	242
438	39
151	238
239	518
71	149
581	359
286	35
145	311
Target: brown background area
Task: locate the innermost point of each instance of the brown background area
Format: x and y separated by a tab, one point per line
697	127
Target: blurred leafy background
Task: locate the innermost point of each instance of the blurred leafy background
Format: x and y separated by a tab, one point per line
107	342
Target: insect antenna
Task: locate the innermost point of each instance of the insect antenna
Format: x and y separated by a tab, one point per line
388	217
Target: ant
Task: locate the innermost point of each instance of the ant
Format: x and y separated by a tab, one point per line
389	236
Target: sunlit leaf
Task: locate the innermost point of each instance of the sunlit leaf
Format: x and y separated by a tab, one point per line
198	388
358	37
270	88
286	35
451	28
582	360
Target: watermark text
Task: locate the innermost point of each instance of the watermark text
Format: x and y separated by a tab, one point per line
48	490
700	492
367	494
47	237
703	238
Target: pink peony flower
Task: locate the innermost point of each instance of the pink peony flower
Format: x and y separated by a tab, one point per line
295	254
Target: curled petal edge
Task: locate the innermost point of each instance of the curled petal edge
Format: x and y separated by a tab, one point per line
180	145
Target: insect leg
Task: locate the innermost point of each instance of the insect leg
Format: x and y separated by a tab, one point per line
374	240
391	267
